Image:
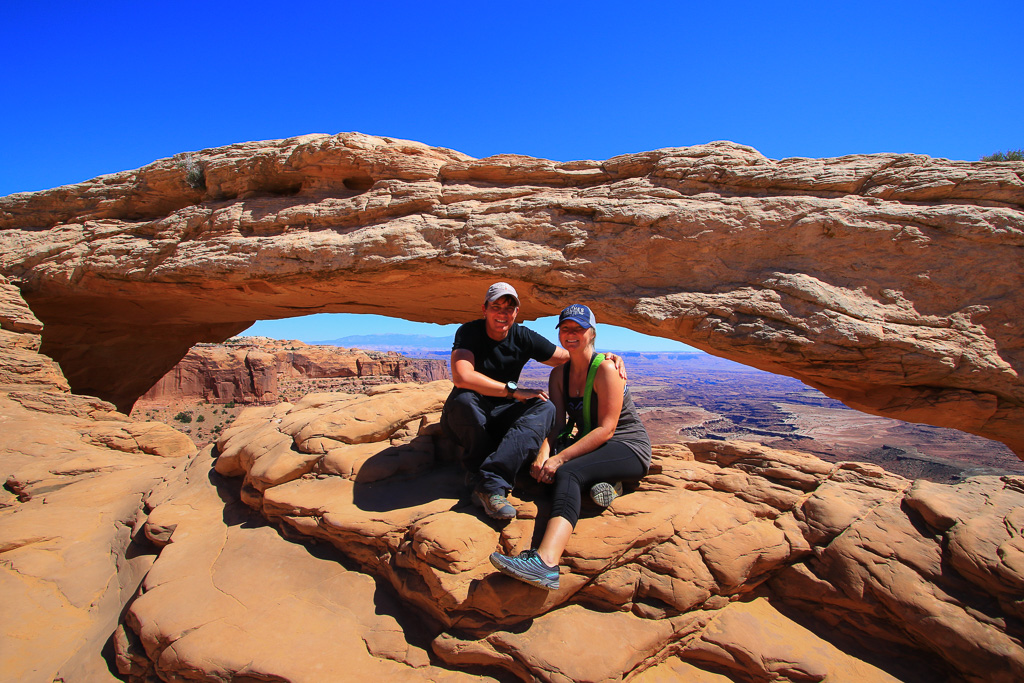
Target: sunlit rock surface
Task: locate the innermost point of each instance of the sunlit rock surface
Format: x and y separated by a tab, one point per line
76	478
332	536
729	558
891	282
261	370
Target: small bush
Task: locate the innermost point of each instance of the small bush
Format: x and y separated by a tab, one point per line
201	418
229	404
1009	155
195	174
184	417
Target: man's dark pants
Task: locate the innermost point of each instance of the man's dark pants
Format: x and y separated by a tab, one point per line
498	435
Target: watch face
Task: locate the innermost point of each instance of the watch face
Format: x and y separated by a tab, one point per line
511	386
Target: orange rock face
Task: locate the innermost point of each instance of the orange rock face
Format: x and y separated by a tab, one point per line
729	558
76	474
891	282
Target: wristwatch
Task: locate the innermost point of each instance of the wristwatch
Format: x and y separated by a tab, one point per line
510	389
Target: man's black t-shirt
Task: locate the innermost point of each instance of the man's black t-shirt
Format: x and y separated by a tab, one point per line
502	360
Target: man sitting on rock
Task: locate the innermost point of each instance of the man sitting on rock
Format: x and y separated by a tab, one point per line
499	424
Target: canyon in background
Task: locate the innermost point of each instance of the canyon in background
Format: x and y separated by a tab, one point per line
682	397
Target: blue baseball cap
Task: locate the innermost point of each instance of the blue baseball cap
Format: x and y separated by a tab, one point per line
579	314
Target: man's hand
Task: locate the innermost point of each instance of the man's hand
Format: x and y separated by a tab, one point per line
620	366
527	394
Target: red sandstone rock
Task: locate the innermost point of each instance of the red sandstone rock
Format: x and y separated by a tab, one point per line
713	524
260	370
921	580
891	282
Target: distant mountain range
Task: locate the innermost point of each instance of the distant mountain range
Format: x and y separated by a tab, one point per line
424	344
391	342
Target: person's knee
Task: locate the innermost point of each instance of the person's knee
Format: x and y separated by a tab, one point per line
462	401
463	408
541	416
545	408
463	420
566	477
547	411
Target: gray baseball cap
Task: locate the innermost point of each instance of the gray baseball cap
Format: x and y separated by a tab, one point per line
500	289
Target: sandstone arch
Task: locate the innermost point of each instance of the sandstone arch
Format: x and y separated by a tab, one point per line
891	282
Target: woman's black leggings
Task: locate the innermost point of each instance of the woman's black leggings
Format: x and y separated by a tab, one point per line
614	461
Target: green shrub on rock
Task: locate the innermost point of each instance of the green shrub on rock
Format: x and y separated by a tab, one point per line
1009	155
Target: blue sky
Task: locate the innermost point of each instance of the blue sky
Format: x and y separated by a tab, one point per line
327	327
94	88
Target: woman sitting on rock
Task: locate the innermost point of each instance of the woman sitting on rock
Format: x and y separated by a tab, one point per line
611	445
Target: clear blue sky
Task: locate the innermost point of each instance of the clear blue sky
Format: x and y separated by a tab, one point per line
94	88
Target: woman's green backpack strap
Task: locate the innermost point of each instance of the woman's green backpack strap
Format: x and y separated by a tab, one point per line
588	392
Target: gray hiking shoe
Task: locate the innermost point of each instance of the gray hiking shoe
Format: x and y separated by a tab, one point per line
528	567
495	505
603	493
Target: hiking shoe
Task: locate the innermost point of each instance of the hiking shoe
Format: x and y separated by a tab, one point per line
495	505
527	567
603	493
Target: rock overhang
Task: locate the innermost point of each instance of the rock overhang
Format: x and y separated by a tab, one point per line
891	282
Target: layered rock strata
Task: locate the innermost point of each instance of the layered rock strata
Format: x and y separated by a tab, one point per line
728	559
261	370
891	282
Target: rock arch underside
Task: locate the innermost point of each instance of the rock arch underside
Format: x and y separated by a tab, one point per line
890	282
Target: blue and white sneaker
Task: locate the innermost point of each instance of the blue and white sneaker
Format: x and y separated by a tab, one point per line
528	567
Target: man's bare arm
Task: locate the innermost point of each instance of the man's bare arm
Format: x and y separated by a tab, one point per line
465	376
562	356
559	357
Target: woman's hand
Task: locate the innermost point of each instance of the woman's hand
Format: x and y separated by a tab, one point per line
548	469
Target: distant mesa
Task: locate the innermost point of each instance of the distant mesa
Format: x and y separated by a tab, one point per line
263	370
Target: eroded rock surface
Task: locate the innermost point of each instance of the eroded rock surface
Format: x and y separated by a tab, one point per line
730	559
729	562
76	477
891	282
231	600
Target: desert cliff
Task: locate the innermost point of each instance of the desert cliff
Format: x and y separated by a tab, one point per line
261	370
890	282
330	537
